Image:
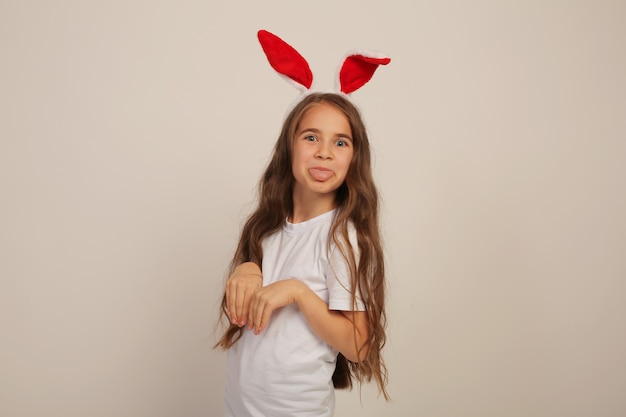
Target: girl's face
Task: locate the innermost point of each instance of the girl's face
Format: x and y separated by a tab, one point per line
322	152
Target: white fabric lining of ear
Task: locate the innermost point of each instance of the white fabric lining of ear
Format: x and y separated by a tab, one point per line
302	89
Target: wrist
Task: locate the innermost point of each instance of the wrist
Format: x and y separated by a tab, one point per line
300	289
250	268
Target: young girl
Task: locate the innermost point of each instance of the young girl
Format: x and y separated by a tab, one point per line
306	293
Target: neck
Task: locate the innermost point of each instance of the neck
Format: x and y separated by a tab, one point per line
309	206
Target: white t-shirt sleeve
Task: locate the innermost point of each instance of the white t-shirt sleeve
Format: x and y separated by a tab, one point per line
338	278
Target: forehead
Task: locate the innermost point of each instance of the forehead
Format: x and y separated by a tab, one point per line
327	117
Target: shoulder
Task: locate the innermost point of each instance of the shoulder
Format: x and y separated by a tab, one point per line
344	244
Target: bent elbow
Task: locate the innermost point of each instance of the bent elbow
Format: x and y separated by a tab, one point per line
357	356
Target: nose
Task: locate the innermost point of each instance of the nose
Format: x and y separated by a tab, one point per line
323	151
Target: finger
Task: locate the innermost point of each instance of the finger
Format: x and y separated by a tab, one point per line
255	313
226	300
262	309
239	305
231	300
265	318
245	311
252	310
259	318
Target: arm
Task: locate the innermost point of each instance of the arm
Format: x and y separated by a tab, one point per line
334	327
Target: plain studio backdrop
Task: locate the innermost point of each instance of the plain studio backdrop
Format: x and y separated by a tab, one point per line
132	137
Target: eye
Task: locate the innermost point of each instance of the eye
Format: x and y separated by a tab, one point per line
341	143
310	138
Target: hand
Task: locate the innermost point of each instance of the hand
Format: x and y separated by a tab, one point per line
269	298
240	286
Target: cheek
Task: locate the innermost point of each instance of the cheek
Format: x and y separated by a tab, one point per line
348	161
297	159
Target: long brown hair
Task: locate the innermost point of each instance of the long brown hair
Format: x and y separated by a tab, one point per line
357	203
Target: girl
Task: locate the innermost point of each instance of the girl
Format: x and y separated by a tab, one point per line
306	293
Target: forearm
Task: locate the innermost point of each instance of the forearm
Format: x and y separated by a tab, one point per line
333	327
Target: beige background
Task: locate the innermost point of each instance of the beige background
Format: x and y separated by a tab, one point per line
132	135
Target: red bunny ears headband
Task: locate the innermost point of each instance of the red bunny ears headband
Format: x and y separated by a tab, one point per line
357	69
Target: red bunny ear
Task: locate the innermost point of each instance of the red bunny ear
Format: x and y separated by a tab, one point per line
358	69
285	59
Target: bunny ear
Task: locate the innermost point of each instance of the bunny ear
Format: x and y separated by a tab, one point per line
286	60
358	68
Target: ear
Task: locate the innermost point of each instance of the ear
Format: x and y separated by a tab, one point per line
286	60
358	68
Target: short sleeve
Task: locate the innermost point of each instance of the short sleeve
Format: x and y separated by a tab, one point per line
338	277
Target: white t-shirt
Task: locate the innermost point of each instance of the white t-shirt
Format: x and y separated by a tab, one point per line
287	370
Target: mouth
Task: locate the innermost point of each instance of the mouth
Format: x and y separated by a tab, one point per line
320	173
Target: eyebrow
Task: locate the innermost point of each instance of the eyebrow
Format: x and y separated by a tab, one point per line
314	130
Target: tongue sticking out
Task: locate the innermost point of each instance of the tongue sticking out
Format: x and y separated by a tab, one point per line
320	174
